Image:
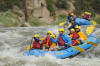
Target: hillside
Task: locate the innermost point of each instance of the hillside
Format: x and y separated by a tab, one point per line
40	12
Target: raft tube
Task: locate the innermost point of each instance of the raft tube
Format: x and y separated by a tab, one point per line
81	21
63	53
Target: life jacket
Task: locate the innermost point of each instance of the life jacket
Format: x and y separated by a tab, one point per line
87	17
75	36
75	42
71	36
36	44
47	42
83	36
61	42
53	43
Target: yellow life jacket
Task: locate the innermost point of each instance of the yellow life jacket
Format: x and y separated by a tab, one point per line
82	35
53	44
71	35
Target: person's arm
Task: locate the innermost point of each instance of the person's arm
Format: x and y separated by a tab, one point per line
68	40
54	40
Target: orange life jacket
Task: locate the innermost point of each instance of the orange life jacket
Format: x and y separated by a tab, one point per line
83	36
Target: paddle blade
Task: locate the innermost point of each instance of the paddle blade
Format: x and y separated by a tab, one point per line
93	22
29	47
90	29
62	24
79	48
94	44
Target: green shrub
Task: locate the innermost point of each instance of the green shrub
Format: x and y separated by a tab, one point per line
9	19
58	21
62	16
96	5
97	19
92	6
62	4
33	21
5	5
50	7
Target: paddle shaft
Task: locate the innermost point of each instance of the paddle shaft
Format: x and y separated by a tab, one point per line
75	47
31	42
25	44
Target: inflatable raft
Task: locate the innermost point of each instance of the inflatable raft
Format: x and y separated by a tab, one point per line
81	21
71	51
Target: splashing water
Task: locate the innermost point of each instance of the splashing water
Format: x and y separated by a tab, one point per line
12	47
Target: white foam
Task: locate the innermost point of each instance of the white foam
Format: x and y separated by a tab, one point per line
12	52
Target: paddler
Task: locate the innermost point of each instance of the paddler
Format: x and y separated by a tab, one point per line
71	16
82	36
47	44
87	16
62	40
72	24
74	37
36	42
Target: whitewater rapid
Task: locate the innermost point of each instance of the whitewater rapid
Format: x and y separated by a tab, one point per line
12	47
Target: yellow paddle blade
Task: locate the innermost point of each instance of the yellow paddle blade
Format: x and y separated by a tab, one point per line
69	25
90	29
94	44
79	48
93	22
62	24
29	47
43	39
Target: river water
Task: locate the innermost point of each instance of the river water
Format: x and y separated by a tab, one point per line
12	47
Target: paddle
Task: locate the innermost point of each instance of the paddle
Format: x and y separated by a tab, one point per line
31	43
25	42
29	47
81	49
94	44
62	23
91	28
93	22
77	48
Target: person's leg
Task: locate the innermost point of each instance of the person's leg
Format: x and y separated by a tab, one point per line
51	49
43	48
55	48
